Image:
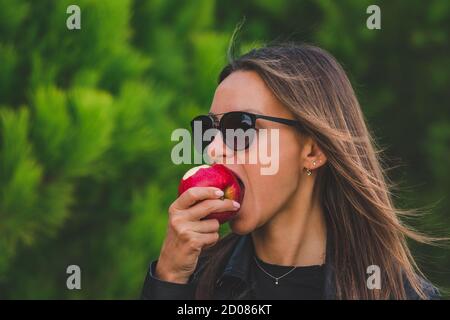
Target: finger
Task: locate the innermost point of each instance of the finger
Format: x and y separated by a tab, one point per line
196	194
209	239
205	226
202	209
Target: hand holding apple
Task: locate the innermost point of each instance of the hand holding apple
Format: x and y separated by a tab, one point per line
187	231
217	176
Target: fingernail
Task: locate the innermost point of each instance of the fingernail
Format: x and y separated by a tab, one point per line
236	204
219	193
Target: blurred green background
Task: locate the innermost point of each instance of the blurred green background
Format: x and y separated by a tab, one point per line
86	117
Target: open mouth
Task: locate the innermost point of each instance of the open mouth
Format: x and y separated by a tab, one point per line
241	184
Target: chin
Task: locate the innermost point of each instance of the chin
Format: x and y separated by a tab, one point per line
241	226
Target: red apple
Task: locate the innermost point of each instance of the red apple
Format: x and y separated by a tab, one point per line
217	176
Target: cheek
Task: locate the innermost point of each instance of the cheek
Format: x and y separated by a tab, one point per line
267	194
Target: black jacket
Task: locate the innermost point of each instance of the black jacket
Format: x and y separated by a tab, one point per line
236	279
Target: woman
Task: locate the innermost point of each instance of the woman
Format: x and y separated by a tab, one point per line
324	226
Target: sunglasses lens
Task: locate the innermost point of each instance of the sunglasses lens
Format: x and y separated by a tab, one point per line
238	130
198	126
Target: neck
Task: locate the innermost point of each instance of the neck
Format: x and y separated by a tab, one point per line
295	236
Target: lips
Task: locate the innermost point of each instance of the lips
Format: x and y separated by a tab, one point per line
240	182
242	186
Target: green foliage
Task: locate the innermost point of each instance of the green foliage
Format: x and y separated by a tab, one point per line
86	118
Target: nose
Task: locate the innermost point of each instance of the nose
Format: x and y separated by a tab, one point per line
217	150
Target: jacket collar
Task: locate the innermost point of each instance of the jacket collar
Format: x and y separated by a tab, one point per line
240	260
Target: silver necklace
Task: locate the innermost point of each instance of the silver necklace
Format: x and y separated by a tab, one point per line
273	277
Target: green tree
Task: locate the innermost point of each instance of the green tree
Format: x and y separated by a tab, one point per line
86	118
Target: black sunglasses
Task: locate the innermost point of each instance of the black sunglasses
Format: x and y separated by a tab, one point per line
238	128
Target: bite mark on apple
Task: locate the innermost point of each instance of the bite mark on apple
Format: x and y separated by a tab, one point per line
194	170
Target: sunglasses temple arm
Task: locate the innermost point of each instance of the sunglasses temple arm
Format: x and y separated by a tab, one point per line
280	120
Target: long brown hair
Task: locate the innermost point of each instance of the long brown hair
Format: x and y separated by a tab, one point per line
353	189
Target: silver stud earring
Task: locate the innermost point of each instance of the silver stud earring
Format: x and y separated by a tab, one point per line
314	163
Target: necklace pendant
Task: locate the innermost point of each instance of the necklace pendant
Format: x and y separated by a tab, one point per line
276	281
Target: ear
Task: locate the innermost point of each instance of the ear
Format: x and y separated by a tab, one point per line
312	155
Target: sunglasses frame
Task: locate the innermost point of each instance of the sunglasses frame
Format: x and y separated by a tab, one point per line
218	124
